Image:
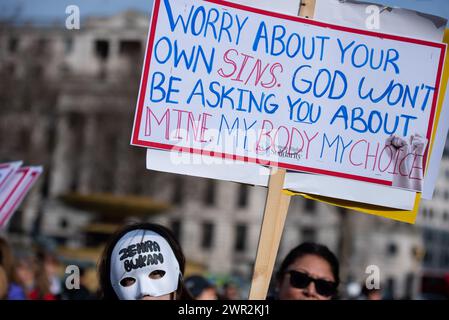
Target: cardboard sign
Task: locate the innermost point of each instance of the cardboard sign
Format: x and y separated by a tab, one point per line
15	191
401	22
407	216
359	196
241	83
290	7
437	147
7	170
379	17
254	174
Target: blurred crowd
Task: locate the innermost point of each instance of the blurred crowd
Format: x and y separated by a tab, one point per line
309	271
38	274
35	275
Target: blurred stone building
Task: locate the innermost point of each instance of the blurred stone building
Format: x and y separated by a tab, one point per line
67	100
434	221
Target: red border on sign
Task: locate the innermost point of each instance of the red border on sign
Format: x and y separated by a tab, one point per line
23	171
11	171
143	84
34	176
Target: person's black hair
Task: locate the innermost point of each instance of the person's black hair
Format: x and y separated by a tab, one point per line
104	267
196	284
310	248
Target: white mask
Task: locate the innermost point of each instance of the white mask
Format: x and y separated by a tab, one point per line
136	255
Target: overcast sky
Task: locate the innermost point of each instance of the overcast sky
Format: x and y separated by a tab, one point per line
47	10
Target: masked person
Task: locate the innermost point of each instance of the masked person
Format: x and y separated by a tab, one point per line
309	272
143	262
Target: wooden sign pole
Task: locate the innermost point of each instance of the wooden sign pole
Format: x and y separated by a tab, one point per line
276	208
307	9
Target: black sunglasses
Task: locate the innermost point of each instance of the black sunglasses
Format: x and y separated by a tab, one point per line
302	280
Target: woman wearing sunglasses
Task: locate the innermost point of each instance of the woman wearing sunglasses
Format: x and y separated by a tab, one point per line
308	272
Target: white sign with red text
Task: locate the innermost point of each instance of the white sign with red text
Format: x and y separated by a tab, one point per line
236	82
15	191
7	171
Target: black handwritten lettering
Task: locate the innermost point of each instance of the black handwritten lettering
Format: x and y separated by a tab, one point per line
142	261
139	248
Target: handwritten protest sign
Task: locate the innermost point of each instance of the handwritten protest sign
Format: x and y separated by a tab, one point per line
402	22
15	191
241	83
397	21
7	170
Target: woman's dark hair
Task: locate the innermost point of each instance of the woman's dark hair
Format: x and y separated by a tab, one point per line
104	267
309	248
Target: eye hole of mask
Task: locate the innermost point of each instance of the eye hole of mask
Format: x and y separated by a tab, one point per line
127	282
156	274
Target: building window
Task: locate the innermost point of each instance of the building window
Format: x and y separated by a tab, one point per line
13	45
102	49
446	216
68	45
430	213
76	123
42	45
444	239
207	236
24	137
308	234
392	249
178	191
415	252
37	71
130	48
428	258
424	212
240	239
310	206
63	223
176	229
209	196
242	201
409	284
45	189
10	69
446	260
428	236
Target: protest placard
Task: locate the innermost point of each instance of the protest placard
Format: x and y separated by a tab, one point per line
15	191
177	111
280	90
397	21
440	134
7	170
